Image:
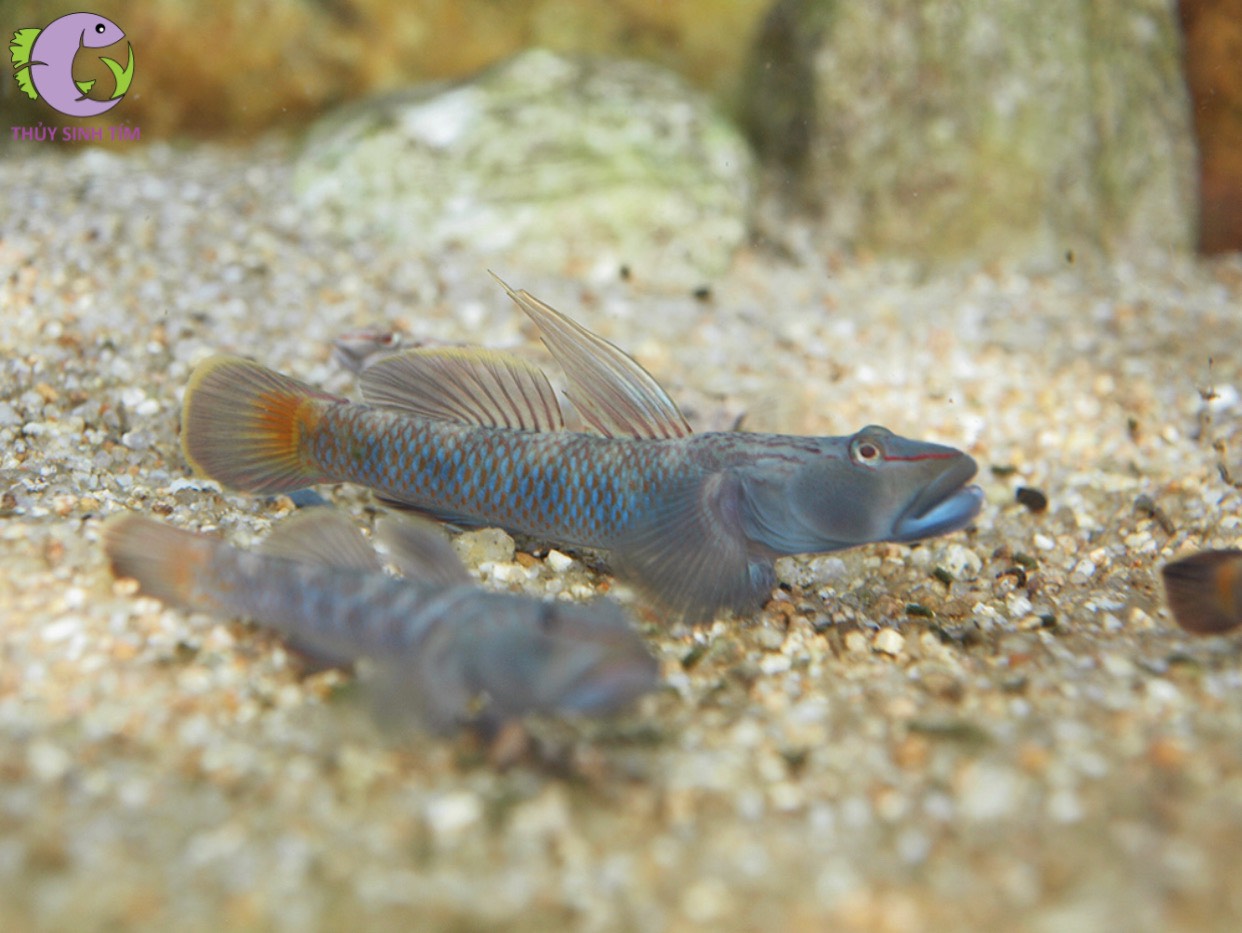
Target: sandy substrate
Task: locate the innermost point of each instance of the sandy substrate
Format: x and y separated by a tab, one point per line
999	729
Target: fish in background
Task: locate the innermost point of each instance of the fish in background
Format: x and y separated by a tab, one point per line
477	437
444	653
1204	591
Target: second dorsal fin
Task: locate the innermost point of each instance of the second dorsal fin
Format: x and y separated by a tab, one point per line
323	537
466	385
612	392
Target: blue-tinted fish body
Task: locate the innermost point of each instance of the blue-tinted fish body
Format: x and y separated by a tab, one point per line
437	644
477	437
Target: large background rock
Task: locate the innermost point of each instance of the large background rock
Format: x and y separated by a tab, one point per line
230	68
979	129
572	165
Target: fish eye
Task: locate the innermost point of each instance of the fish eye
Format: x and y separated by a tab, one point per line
865	452
100	28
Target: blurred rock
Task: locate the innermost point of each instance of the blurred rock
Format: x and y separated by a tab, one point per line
1214	72
981	130
208	68
567	165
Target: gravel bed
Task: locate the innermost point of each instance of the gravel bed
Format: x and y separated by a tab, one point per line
998	729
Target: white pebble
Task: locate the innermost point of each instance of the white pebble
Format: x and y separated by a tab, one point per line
46	761
451	814
774	663
889	641
856	642
489	544
61	629
962	562
559	562
989	792
824	570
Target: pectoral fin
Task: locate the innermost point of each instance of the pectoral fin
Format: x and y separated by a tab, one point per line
421	551
469	386
323	537
690	553
613	393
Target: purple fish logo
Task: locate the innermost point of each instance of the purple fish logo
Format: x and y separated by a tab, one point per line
43	63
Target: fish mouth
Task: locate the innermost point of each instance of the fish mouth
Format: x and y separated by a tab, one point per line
610	685
943	505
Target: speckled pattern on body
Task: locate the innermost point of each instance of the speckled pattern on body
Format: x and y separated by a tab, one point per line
582	489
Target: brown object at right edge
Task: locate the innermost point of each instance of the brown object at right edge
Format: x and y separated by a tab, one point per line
1212	36
1204	591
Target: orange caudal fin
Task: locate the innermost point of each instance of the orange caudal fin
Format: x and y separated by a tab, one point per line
167	562
243	425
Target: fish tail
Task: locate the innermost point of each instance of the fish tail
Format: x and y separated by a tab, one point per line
1204	591
19	47
245	426
167	562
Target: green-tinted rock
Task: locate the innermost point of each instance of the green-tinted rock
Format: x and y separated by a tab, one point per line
979	129
566	165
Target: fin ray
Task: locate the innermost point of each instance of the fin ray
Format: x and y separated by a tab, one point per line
243	425
421	551
691	553
613	393
466	385
323	537
165	561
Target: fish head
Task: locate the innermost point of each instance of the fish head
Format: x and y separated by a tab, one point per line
597	662
561	657
880	486
96	32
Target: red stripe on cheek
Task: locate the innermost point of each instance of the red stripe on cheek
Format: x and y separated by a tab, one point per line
915	459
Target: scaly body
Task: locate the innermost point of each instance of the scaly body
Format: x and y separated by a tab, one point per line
438	644
573	488
477	437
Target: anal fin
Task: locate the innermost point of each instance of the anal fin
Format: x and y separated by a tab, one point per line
451	519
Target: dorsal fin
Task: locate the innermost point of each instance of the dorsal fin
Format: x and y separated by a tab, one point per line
613	393
324	537
420	550
466	385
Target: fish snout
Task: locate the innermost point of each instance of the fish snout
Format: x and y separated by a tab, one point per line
611	683
945	503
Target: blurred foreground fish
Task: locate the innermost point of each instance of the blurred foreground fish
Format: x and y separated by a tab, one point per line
1205	591
445	652
477	437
